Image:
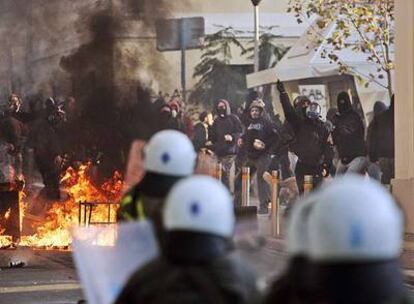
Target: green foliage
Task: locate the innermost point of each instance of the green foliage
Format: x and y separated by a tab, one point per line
217	78
370	21
270	53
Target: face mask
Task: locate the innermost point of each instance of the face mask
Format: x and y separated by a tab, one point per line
221	111
313	111
174	113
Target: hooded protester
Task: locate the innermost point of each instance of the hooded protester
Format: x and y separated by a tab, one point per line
15	124
355	235
201	138
169	156
349	138
169	119
374	170
295	284
379	107
258	141
46	143
310	143
197	264
245	111
380	139
225	133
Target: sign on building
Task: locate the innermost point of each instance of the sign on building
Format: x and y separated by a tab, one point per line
316	93
172	33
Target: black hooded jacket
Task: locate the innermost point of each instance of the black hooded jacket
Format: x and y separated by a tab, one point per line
349	133
381	135
199	268
311	136
261	129
229	124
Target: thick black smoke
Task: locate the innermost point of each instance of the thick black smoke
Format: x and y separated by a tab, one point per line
113	112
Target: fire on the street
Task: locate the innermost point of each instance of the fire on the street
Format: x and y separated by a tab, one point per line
55	231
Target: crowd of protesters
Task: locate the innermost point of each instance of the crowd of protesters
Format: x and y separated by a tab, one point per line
343	239
306	144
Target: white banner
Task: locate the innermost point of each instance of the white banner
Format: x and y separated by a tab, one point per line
104	270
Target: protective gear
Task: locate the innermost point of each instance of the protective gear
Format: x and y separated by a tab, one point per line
223	279
354	220
295	285
174	113
311	144
170	152
297	229
200	204
223	108
221	111
313	111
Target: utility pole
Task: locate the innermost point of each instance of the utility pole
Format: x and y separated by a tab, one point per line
183	41
256	34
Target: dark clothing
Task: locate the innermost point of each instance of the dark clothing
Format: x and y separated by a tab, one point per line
387	166
352	283
311	136
349	136
381	135
12	130
44	139
226	163
302	170
171	123
50	176
146	200
263	130
257	166
194	268
281	163
200	136
295	286
45	142
379	107
227	125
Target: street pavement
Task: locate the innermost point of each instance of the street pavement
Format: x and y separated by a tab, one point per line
49	277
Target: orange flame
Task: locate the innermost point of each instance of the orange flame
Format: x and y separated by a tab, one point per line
55	231
7	214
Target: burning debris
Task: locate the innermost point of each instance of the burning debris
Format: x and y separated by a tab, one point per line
17	264
92	50
53	232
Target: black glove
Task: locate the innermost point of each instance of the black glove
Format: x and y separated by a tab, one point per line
280	87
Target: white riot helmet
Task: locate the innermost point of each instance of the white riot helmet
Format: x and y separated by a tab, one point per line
354	220
297	228
170	152
200	204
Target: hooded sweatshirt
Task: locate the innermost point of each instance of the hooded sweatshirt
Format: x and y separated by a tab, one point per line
381	135
349	133
225	124
263	130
